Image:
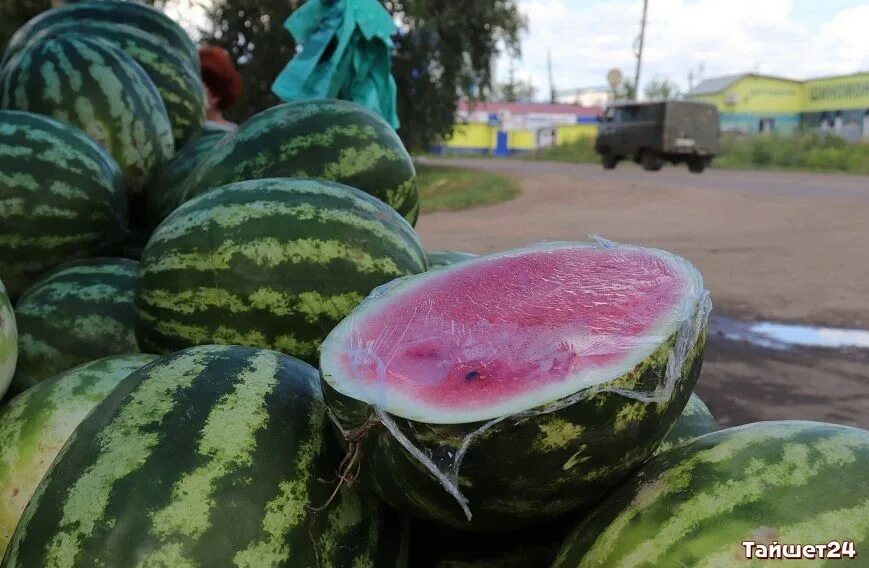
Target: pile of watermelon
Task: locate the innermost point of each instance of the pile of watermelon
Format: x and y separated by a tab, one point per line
233	350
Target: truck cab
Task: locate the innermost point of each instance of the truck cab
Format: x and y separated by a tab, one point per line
656	132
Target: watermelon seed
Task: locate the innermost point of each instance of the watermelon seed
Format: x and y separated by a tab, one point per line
472	375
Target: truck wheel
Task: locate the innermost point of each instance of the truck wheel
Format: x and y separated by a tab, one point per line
651	161
696	165
609	161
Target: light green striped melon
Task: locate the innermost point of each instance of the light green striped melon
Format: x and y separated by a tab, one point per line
790	482
78	312
95	86
61	198
8	341
210	457
272	263
35	425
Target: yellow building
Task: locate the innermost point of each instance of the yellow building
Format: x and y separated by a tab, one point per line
751	103
500	129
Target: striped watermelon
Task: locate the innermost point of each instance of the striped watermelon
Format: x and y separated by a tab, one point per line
326	139
60	197
694	421
78	312
536	379
8	341
179	82
162	198
208	457
36	424
273	263
95	86
439	258
785	482
130	13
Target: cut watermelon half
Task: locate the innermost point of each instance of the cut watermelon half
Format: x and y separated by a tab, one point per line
510	332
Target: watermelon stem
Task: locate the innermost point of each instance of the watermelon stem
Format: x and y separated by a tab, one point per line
352	459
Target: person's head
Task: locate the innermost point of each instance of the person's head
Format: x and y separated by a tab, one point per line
222	82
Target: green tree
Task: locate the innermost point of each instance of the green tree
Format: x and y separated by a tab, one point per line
659	89
445	50
15	13
627	91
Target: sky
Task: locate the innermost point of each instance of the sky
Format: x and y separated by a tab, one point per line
791	38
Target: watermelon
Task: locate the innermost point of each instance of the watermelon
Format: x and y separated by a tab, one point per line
76	313
517	386
36	424
8	341
97	87
60	197
207	457
694	421
178	82
433	546
129	13
787	482
439	258
161	200
273	263
325	139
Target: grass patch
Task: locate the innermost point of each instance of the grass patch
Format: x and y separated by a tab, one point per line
451	189
580	151
812	151
807	152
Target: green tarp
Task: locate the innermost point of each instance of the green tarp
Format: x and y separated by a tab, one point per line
346	53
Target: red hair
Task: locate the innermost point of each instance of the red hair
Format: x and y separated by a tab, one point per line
219	75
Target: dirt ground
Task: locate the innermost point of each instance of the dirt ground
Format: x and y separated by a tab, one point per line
772	246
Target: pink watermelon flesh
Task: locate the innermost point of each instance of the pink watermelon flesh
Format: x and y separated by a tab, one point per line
506	333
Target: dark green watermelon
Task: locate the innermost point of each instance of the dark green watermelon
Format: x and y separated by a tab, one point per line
179	83
61	198
129	13
531	382
787	482
694	421
324	139
78	312
272	263
161	199
95	86
35	425
208	457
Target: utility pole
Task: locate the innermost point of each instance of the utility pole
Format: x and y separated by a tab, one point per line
551	83
639	49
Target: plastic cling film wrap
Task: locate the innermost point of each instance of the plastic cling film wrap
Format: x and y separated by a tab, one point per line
445	350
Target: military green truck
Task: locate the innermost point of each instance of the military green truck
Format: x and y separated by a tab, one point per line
656	132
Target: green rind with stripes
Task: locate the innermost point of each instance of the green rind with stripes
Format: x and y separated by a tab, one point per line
207	457
788	482
162	195
325	139
441	258
564	460
78	312
694	421
94	86
8	341
178	82
35	425
130	13
273	263
61	197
